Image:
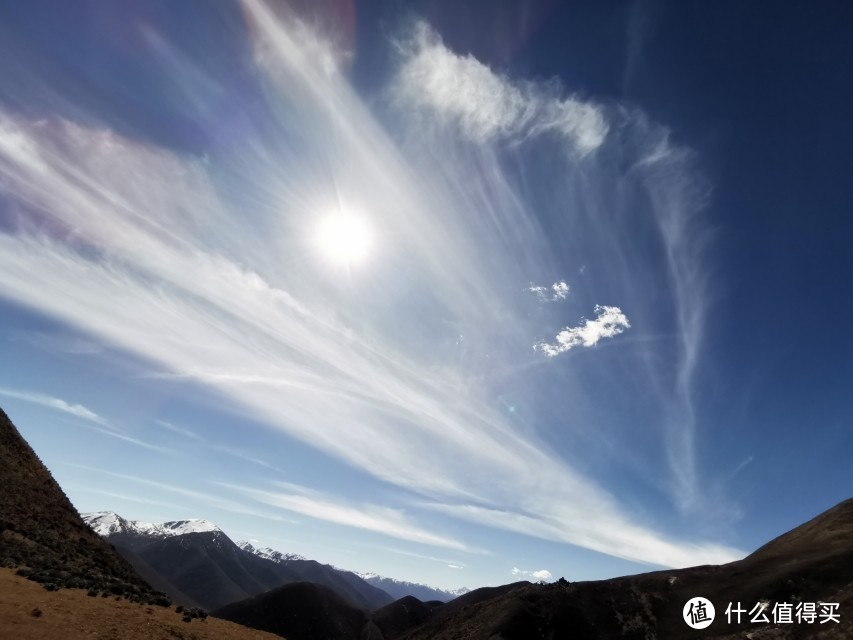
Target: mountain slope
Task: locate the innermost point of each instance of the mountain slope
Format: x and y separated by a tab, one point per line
41	531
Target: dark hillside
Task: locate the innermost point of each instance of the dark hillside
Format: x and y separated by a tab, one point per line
300	611
42	533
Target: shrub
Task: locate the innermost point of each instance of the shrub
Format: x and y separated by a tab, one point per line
179	608
160	600
187	617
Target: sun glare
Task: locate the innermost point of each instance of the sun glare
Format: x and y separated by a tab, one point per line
344	238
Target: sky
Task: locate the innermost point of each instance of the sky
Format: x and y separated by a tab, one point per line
457	293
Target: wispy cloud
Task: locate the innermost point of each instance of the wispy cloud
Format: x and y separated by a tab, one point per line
578	524
138	247
128	497
58	342
181	431
196	497
44	400
230	450
412	554
484	105
539	574
376	518
608	322
91	420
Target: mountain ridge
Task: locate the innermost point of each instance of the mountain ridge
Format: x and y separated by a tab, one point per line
196	563
106	523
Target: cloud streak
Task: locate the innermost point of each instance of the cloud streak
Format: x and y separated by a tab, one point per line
375	518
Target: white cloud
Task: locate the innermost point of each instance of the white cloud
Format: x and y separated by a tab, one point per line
557	291
455	566
609	322
485	105
541	574
561	290
44	400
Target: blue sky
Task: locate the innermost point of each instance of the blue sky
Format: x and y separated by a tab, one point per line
456	293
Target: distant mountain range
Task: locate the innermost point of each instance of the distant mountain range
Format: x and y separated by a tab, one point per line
144	544
401	588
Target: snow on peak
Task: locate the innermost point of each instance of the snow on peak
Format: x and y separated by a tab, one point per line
107	523
268	553
367	575
181	527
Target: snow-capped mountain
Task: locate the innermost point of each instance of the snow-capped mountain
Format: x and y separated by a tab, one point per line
107	523
268	553
401	588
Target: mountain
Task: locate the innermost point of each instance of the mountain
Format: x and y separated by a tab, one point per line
43	535
301	611
400	588
197	564
107	523
810	564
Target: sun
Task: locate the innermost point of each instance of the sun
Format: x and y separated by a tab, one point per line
344	238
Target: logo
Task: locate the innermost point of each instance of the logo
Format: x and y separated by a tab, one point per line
698	612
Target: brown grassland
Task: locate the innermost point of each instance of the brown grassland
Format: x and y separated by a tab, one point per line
29	611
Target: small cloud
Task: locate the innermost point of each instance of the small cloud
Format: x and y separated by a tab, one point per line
557	291
455	566
609	322
561	290
582	270
539	574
